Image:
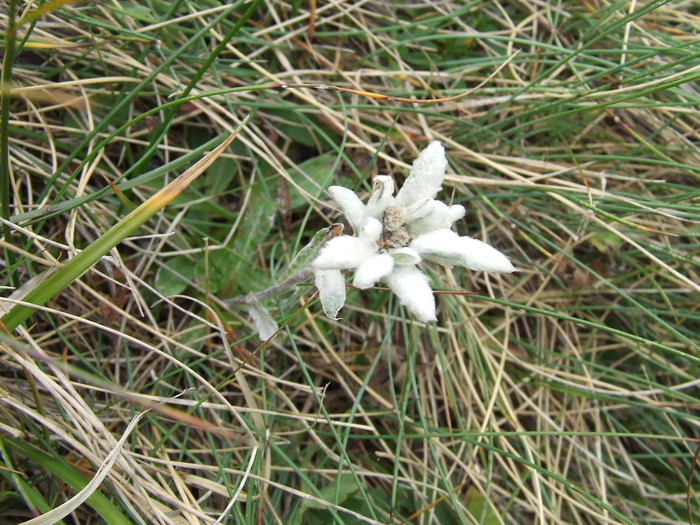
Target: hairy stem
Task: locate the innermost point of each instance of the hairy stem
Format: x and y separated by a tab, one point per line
275	289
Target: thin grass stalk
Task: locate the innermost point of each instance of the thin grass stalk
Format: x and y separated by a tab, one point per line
62	470
5	176
79	264
167	120
114	112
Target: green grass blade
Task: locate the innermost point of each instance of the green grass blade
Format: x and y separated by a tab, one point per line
64	472
79	264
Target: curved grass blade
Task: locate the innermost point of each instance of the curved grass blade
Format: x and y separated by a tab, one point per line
79	264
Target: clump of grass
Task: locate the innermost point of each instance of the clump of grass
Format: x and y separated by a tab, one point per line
566	393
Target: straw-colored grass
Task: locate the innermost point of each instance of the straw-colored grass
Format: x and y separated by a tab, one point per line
566	393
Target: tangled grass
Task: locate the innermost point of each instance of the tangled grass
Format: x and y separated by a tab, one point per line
566	393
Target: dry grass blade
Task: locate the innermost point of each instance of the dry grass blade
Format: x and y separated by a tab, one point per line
54	283
565	393
67	508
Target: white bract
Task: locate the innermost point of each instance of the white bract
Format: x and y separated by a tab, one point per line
393	234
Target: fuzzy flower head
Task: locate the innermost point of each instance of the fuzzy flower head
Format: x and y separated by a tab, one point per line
395	233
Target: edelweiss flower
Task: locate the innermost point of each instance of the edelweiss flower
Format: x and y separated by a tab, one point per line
393	234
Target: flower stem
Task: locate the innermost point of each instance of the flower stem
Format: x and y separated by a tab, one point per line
297	272
275	289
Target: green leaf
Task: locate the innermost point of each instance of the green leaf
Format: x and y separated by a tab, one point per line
336	492
139	12
213	270
294	124
23	490
604	241
313	176
309	252
219	177
481	508
339	492
63	471
175	276
235	266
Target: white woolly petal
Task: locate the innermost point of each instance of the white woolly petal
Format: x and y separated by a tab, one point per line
372	270
265	325
407	256
436	215
477	255
382	196
344	252
412	288
370	231
454	213
350	204
426	176
418	209
439	246
331	291
449	249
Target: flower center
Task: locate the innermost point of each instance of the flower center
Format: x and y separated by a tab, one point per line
394	234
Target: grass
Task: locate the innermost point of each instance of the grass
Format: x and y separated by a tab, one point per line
566	393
